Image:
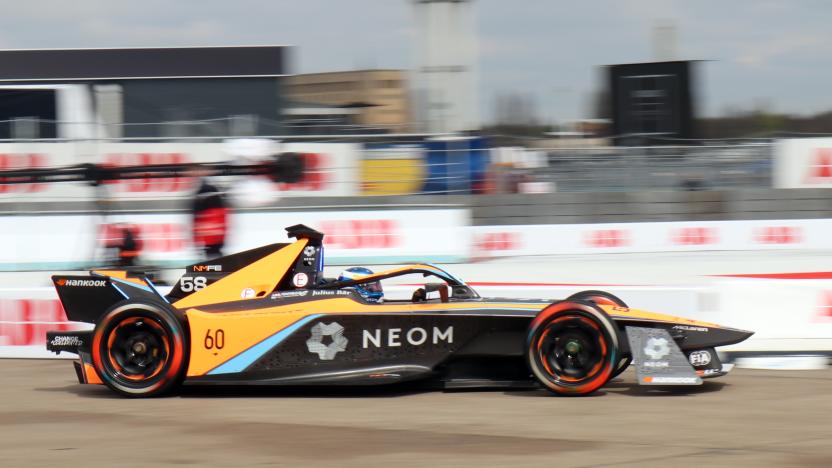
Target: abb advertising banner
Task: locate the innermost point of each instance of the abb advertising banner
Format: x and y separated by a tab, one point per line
26	314
803	163
384	236
557	239
389	236
331	169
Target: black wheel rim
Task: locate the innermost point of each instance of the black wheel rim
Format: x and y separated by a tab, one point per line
572	349
138	349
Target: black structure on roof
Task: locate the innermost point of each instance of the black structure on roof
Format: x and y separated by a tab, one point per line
135	63
652	101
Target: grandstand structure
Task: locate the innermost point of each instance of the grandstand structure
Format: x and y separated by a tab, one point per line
141	92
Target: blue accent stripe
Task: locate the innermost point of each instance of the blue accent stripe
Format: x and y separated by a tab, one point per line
239	362
135	285
321	259
153	286
119	290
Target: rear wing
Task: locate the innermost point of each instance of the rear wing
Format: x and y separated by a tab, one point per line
85	298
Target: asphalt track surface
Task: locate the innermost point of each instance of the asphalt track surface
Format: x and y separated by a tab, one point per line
748	418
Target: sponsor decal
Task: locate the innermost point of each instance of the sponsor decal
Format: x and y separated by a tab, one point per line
395	337
498	241
9	161
66	341
700	358
24	322
300	280
670	380
84	283
824	310
362	233
247	293
309	255
707	372
207	268
657	364
326	352
329	292
690	328
820	170
695	236
609	238
287	294
778	235
656	348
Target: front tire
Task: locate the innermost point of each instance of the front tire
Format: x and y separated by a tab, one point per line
140	350
572	348
598	297
609	299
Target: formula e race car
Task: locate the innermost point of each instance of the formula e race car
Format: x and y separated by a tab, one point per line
268	316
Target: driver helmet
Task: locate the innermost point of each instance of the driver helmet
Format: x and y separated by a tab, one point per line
369	291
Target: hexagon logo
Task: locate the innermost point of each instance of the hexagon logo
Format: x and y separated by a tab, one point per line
657	348
326	352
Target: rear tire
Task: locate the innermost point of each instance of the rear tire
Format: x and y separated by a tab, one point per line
140	350
572	348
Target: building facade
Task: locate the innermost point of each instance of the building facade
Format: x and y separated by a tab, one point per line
147	92
381	97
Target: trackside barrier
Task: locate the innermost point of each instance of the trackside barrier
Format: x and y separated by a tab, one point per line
786	315
49	242
26	314
384	236
688	236
802	163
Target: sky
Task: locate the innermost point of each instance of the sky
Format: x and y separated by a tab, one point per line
775	55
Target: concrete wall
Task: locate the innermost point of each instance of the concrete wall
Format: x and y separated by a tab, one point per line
568	208
557	208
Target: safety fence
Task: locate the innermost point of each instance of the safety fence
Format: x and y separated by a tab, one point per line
399	165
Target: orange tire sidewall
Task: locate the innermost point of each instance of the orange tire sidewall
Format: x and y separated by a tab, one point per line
537	330
173	369
598	297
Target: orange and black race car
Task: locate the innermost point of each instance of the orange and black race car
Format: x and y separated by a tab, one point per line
268	316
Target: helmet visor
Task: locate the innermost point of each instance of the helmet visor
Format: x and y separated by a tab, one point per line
374	287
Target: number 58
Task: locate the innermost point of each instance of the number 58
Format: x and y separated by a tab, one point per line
192	283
